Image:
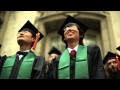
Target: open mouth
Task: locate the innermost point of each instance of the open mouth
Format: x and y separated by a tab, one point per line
70	33
21	37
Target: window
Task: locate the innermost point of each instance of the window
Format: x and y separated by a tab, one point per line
90	40
57	42
54	41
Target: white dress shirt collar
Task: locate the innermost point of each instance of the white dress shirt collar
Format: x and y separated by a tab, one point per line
70	49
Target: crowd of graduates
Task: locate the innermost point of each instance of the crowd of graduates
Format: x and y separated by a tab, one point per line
77	61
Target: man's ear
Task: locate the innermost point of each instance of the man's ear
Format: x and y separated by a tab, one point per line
64	39
81	34
33	39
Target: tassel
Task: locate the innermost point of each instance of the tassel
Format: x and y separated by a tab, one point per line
118	62
36	39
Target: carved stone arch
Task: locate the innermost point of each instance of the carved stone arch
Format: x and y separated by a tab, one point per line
97	20
51	24
95	24
105	29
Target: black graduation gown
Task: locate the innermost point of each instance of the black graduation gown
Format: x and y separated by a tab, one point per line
95	65
38	69
115	75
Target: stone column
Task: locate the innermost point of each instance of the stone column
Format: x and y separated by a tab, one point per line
115	18
111	33
105	36
9	45
4	25
40	47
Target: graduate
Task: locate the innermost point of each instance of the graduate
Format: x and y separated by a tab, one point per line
24	64
53	53
112	65
77	61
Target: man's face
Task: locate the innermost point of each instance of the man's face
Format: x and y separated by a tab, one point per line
112	65
71	32
25	36
52	56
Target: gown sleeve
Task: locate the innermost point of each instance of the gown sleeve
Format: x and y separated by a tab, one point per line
96	67
52	72
2	60
39	68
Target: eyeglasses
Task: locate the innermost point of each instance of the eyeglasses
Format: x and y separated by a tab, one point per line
71	27
24	32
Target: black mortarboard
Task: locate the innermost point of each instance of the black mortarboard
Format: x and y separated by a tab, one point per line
109	56
70	19
28	26
0	45
118	48
54	50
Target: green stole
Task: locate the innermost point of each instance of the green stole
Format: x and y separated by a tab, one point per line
81	64
25	68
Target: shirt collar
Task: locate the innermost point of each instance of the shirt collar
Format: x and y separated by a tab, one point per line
70	49
25	51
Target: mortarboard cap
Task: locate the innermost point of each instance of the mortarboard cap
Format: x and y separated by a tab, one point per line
54	50
71	20
109	56
28	26
118	48
0	45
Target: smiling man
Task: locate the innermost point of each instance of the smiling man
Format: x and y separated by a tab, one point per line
77	61
24	64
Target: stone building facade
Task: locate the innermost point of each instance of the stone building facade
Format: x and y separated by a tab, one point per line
103	29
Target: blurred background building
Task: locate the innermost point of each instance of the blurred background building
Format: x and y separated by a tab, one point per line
104	29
